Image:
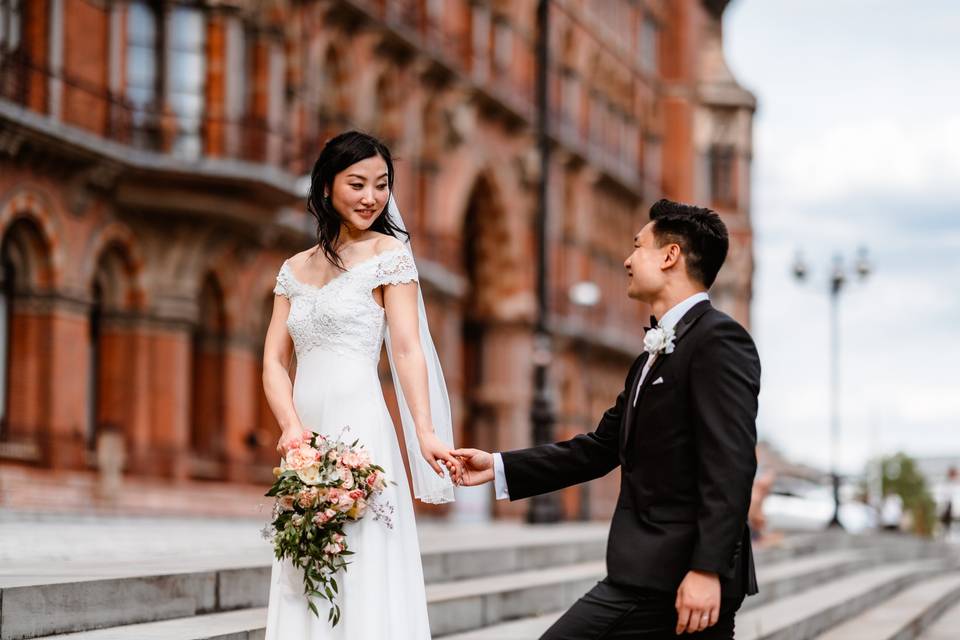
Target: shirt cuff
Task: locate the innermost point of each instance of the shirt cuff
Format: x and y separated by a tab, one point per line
500	478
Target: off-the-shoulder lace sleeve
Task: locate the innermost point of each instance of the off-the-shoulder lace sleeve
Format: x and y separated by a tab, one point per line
285	285
396	267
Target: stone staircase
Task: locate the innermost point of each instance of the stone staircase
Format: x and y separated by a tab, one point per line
503	582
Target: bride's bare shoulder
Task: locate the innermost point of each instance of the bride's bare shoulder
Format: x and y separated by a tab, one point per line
383	242
299	259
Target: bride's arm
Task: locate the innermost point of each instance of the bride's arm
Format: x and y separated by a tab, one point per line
277	355
403	319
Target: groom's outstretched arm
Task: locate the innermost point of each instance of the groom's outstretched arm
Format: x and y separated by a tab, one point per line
550	467
724	383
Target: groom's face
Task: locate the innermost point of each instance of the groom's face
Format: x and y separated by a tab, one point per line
645	276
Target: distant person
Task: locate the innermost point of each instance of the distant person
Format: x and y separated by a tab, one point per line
946	519
683	433
891	512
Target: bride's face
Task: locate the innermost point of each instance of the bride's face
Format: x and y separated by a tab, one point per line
360	192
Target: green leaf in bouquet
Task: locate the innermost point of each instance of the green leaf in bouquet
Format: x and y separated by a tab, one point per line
313	608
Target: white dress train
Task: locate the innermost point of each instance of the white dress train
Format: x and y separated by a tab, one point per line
337	331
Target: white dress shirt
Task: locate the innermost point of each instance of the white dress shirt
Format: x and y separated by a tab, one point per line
668	321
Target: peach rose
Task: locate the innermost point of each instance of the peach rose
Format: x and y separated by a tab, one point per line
301	457
346	477
286	503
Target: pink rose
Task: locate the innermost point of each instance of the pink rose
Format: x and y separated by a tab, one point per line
346	477
301	457
345	503
306	498
322	518
356	494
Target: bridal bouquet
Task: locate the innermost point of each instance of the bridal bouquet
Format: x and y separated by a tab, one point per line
320	487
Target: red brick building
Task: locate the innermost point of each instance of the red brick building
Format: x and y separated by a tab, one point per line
151	156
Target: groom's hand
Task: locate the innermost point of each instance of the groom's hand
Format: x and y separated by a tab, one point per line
698	602
477	466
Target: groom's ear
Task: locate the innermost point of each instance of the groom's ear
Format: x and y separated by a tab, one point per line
671	256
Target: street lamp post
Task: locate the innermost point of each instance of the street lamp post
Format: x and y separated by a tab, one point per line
838	278
543	508
585	295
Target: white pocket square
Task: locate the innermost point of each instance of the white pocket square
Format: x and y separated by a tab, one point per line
657	381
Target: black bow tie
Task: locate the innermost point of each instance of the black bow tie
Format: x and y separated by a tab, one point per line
653	324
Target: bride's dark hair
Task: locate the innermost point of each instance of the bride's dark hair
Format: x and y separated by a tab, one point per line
339	153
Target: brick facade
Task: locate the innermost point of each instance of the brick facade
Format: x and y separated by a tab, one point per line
149	163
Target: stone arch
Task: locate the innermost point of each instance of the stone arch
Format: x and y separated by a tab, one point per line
25	268
388	109
334	93
207	404
34	209
116	249
115	292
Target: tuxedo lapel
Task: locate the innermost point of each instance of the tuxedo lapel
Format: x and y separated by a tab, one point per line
629	413
688	320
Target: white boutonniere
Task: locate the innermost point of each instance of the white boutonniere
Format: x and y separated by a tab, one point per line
658	340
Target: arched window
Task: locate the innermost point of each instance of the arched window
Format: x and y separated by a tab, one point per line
207	406
93	367
7	276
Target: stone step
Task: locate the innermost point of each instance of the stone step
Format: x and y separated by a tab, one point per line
903	616
801	615
453	607
798	573
246	624
811	612
45	601
523	629
480	602
945	627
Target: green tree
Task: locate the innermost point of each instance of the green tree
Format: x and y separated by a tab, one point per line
900	476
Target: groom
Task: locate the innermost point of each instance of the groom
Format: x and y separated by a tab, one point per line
682	432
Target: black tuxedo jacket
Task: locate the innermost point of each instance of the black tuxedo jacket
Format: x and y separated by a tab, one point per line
687	458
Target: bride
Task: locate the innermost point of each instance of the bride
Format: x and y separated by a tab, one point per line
334	305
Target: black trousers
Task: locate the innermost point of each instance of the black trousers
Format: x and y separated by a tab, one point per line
609	612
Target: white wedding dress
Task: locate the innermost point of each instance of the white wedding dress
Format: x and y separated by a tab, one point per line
337	331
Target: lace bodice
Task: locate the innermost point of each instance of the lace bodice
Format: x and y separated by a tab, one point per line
342	315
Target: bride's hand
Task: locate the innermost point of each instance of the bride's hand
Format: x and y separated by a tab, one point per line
436	453
291	438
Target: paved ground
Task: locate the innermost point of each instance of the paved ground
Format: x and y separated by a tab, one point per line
65	547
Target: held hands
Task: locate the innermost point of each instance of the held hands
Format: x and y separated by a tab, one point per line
698	602
477	466
436	453
292	438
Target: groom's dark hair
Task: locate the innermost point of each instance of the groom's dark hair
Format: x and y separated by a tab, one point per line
699	231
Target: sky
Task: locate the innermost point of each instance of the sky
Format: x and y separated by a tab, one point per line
856	143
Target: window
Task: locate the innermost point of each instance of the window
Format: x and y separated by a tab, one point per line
480	27
11	25
649	44
6	331
185	77
435	11
652	160
94	366
571	97
502	44
141	89
721	174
